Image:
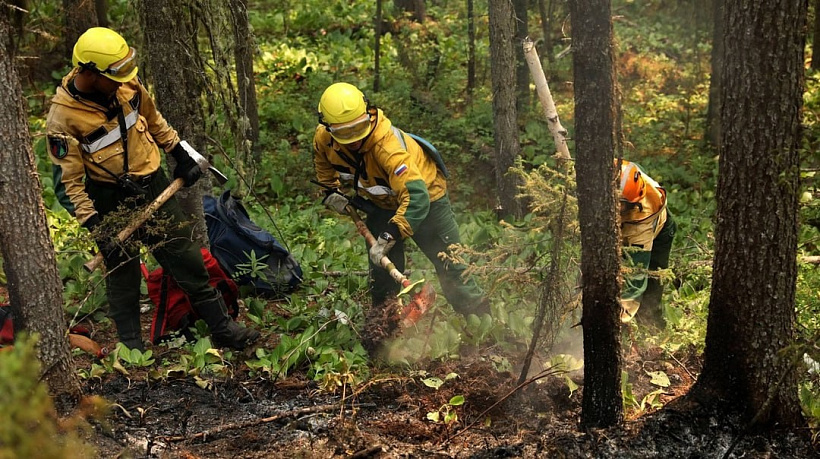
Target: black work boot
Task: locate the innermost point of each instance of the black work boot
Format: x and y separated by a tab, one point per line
128	330
225	332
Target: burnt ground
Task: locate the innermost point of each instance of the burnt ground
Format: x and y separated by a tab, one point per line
386	417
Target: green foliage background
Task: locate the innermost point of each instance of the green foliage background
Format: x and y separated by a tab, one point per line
663	71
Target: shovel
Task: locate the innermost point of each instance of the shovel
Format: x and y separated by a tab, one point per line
421	301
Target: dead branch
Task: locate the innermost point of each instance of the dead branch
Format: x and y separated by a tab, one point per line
254	422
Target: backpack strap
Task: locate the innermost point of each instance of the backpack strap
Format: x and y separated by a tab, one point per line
426	146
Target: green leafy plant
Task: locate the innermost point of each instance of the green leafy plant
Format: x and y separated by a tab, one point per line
446	413
28	427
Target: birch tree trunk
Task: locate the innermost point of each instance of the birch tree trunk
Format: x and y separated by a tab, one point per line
595	143
34	285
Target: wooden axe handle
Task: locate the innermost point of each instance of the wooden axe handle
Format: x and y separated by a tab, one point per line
368	236
146	213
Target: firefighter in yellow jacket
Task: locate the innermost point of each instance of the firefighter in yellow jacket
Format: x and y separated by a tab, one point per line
647	231
355	144
104	132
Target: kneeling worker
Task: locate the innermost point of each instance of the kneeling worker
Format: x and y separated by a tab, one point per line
647	231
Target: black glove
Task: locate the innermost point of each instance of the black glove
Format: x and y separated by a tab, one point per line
187	167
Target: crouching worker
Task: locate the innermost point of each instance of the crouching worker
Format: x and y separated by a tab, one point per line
355	143
103	134
647	231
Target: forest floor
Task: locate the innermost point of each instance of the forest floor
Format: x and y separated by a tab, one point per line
386	417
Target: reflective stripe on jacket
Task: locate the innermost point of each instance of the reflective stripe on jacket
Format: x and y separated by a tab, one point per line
91	136
394	172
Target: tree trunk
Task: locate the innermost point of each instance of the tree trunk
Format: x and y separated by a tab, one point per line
377	47
546	26
245	85
815	42
522	73
470	47
751	308
595	142
34	285
79	16
416	7
102	12
505	126
713	111
170	55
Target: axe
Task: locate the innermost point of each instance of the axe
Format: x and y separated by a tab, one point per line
166	194
421	301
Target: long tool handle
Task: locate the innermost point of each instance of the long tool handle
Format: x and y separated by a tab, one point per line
371	241
146	213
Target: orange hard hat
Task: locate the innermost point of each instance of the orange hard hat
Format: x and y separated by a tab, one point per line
633	185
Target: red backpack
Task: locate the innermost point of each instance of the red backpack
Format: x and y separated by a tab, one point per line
173	309
6	325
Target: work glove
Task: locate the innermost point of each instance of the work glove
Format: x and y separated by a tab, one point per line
187	167
383	244
336	201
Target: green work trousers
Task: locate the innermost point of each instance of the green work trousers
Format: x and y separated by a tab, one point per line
169	241
435	234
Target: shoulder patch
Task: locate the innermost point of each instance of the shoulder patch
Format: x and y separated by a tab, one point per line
57	146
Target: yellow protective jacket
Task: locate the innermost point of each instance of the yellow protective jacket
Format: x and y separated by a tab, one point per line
393	172
85	141
639	226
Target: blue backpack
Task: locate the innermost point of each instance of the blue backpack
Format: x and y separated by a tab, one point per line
234	236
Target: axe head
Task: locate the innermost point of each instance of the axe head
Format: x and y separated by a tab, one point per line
421	302
203	163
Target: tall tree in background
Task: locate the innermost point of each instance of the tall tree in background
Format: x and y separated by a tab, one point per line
522	72
751	308
245	85
172	58
34	285
505	125
815	42
713	110
78	16
416	8
595	143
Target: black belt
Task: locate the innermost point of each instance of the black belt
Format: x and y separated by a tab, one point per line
144	181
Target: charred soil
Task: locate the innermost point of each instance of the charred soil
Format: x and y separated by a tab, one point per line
387	417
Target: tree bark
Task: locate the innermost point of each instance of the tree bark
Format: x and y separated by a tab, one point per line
170	55
470	47
595	143
102	12
713	110
377	47
416	7
815	51
505	126
34	285
751	308
78	16
245	85
522	73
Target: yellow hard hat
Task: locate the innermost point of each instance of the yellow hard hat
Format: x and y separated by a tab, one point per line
105	51
633	185
343	110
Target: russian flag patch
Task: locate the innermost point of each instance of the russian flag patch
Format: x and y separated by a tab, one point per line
400	170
